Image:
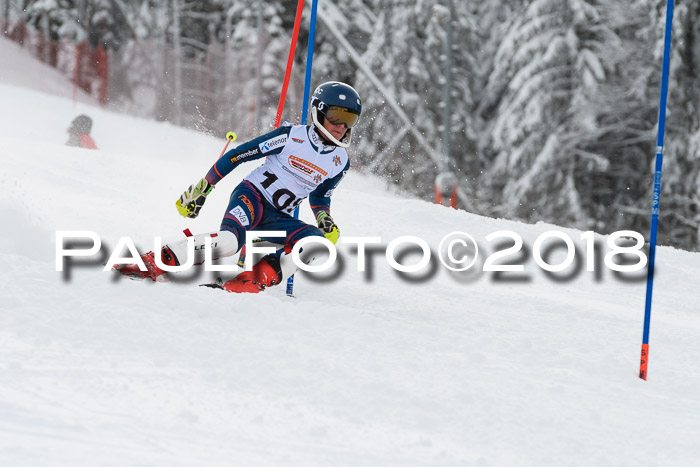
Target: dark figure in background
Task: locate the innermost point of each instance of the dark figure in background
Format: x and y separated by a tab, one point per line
79	133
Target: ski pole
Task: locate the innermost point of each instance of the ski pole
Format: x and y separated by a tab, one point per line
230	136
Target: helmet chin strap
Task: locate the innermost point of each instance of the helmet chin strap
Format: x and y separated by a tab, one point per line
327	134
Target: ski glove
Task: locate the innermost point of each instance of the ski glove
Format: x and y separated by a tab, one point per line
192	200
328	227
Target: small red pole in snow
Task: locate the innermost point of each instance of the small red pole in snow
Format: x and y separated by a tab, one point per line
444	182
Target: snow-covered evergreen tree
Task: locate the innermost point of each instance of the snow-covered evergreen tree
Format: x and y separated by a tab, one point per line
58	18
622	143
97	21
679	222
355	21
259	40
406	52
546	70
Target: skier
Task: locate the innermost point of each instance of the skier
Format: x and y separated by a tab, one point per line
302	161
79	133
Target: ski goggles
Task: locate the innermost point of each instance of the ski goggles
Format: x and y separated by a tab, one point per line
340	115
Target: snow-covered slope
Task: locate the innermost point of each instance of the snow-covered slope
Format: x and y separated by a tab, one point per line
361	369
19	68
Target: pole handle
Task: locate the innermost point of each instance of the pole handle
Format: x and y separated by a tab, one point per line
230	136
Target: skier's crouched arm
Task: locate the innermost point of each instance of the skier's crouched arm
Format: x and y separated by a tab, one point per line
268	144
320	201
191	201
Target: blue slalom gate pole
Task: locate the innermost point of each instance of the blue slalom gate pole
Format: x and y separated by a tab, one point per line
656	197
309	62
305	106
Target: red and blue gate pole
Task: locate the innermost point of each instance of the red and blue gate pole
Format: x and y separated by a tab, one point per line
290	62
307	92
656	197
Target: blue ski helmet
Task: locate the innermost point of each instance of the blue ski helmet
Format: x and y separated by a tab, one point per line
339	103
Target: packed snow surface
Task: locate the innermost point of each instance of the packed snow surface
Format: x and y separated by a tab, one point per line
360	368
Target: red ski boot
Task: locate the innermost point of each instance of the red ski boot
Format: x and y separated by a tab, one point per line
152	270
265	273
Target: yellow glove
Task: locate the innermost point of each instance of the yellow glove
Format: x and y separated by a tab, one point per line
328	227
192	200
